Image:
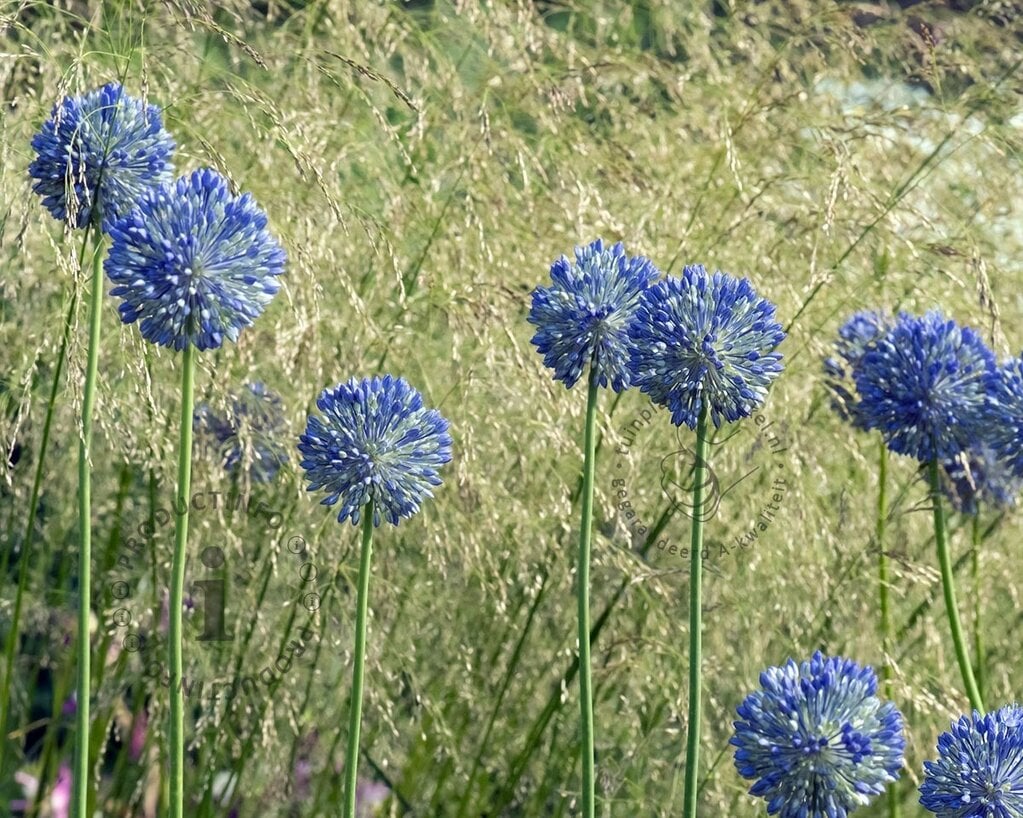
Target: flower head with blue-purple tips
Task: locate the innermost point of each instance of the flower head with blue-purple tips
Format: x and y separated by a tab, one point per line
978	477
375	440
97	154
979	770
856	337
583	318
1005	414
705	339
816	740
924	385
193	263
250	433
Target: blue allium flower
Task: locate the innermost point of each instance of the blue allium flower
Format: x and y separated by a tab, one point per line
193	263
855	338
979	771
979	477
375	441
702	337
254	425
584	317
1005	410
99	151
816	739
924	386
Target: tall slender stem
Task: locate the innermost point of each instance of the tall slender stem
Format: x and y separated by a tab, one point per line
583	595
883	584
177	592
978	633
696	618
80	781
358	672
948	587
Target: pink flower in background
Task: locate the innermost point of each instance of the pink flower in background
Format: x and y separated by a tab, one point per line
137	742
60	796
369	797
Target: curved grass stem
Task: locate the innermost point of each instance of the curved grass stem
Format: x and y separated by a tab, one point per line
948	588
696	620
80	782
358	672
177	591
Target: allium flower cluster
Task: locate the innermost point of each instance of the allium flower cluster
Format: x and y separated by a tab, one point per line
193	263
97	154
979	770
705	339
855	338
375	441
253	427
816	739
1005	429
924	385
979	477
583	318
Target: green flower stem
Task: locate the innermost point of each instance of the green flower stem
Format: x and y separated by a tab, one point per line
80	783
177	592
696	619
355	712
583	593
948	587
883	584
978	634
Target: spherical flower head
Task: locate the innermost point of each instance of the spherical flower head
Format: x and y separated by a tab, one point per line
583	318
978	477
924	386
855	338
816	739
705	338
979	771
1005	414
97	154
252	429
193	263
374	441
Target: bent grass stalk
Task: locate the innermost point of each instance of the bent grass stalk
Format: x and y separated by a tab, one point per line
80	785
948	588
696	619
583	592
177	704
358	672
